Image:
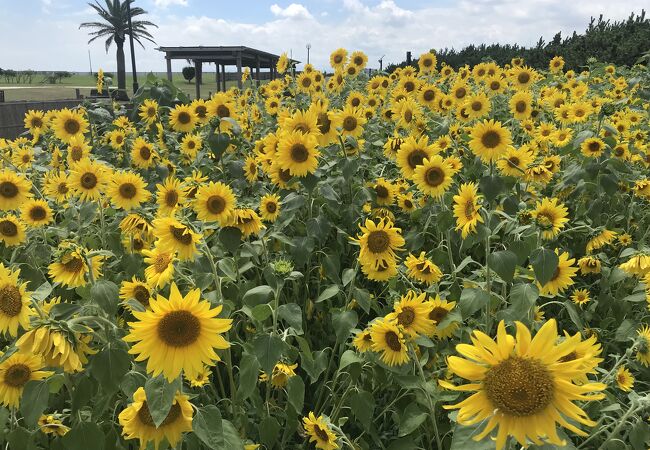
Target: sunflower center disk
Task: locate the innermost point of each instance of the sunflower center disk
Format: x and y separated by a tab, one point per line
216	204
469	210
141	294
378	241
145	416
381	191
429	95
184	118
406	316
349	123
179	328
145	153
72	126
392	341
74	265
223	111
416	157
8	228
10	301
299	153
520	106
181	234
128	190
491	139
438	314
519	386
435	176
171	198
88	180
271	207
8	189
161	263
17	375
62	188
322	434
76	154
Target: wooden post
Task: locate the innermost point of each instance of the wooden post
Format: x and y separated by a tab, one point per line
169	69
239	83
257	70
197	78
218	78
2	96
223	76
77	94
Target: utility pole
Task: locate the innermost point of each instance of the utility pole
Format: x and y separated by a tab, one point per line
381	63
135	74
90	63
308	48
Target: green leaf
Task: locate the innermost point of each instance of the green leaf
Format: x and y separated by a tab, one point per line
292	314
110	365
523	248
491	186
230	237
522	300
503	263
83	393
328	292
83	436
262	312
348	275
218	143
231	437
22	439
34	400
257	295
107	295
411	419
42	292
249	369
363	407
269	431
349	357
343	322
544	263
463	438
471	300
207	425
160	396
626	330
296	393
268	350
639	435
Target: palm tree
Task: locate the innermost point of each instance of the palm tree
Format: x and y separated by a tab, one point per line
115	28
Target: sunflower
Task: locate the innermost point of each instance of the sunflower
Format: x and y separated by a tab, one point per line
56	186
160	266
221	105
215	202
523	77
297	153
515	161
251	171
270	207
176	237
14	190
433	177
14	302
116	138
35	122
36	213
556	64
281	374
191	144
182	118
142	153
624	379
521	385
477	105
438	311
127	190
351	121
136	289
378	242
467	209
200	379
412	153
178	334
71	268
58	349
489	140
380	271
495	85
12	231
339	58
68	124
388	339
137	423
88	179
247	220
319	432
550	217
422	269
521	105
15	372
427	62
362	341
643	345
148	111
78	149
384	191
283	63
592	147
580	297
602	239
49	424
411	313
589	264
23	158
170	196
562	277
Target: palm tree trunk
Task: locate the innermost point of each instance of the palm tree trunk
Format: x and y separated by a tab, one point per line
121	70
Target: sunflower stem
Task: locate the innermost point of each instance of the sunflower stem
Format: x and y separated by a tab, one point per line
432	410
213	266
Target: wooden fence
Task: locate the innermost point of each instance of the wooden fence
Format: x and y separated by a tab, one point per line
12	114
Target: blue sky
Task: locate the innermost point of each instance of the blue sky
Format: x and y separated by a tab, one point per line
44	34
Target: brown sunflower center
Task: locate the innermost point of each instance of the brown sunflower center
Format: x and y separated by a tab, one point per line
223	111
8	228
438	314
338	59
201	111
36	122
416	157
460	92
62	188
171	198
161	263
145	152
469	210
181	234
37	213
321	434
128	190
520	106
408	115
10	301
271	207
306	82
434	176
88	180
429	95
491	139
514	161
378	241
145	415
299	152
594	147
17	375
519	386
477	106
495	85
381	191
72	126
141	294
8	189
285	175
184	117
393	341
523	77
74	265
151	111
179	328
406	317
76	153
350	123
191	144
216	204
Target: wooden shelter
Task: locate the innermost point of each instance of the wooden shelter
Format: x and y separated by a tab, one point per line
222	57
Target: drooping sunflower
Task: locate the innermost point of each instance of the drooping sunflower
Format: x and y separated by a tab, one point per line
15	372
379	242
297	153
12	230
142	153
178	334
319	432
160	266
88	179
170	195
489	140
467	209
283	63
270	207
135	289
182	118
127	190
58	349
420	268
439	310
638	264
215	202
412	154
643	345
71	268
68	124
411	313
15	302
433	177
562	277
247	220
148	111
605	237
550	216
49	424
137	423
589	264
522	386
176	237
281	374
14	190
388	339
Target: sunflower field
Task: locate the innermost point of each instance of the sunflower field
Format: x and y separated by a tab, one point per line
431	259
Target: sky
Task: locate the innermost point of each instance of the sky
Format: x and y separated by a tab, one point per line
45	34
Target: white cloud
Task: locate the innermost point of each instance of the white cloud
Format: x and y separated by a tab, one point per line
293	11
166	3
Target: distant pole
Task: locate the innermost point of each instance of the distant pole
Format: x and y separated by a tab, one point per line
381	63
308	48
90	63
135	73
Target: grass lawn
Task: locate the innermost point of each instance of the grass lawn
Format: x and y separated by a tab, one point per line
66	89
